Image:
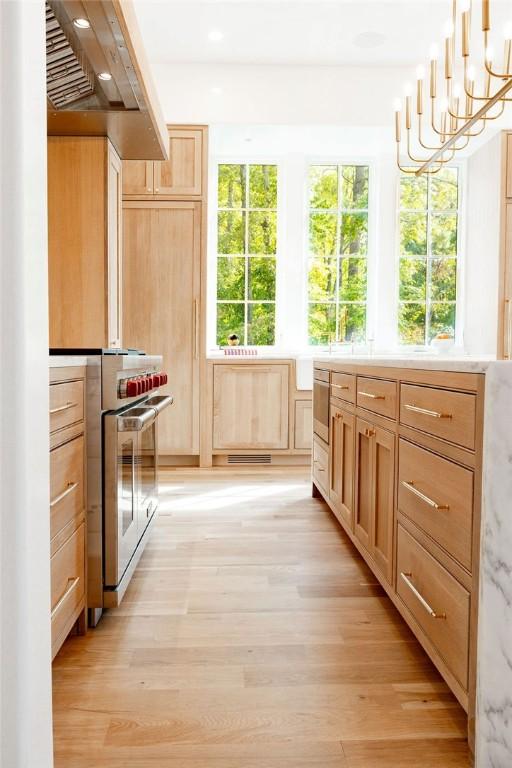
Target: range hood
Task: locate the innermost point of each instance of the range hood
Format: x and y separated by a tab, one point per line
97	79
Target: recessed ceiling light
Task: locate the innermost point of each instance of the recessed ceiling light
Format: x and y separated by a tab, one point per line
369	39
216	89
105	76
215	35
82	23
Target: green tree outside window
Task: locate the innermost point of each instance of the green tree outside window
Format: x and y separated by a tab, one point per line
338	250
429	221
246	253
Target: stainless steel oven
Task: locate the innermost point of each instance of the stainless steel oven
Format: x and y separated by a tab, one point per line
321	404
130	488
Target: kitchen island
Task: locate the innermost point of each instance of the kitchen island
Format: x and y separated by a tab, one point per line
414	457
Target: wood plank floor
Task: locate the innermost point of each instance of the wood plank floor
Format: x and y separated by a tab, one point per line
252	636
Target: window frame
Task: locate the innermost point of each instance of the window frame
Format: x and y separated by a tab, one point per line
213	255
460	258
371	255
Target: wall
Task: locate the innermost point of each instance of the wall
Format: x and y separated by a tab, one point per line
25	670
482	248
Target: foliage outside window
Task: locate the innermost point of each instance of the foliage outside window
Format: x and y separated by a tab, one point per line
338	249
428	256
246	253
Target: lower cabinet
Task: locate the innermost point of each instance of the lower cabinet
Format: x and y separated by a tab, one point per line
341	463
250	407
374	503
320	465
67	504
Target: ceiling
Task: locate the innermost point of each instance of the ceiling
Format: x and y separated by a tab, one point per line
291	32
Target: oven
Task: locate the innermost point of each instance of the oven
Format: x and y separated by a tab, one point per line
321	404
130	488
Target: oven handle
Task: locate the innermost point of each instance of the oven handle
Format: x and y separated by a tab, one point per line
127	423
159	403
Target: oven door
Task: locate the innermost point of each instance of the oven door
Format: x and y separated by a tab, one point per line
321	405
148	462
129	436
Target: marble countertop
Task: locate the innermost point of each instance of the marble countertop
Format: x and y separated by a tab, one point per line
463	364
66	361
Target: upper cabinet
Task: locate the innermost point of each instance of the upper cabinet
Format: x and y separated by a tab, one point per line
179	177
84	242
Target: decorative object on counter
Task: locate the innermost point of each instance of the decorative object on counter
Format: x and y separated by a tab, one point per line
233	340
462	110
443	342
240	351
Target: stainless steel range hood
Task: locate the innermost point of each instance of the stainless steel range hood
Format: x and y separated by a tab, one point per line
98	81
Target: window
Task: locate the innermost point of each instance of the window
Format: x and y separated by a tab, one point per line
246	253
338	249
429	224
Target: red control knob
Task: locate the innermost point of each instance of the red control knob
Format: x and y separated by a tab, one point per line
131	388
149	383
156	380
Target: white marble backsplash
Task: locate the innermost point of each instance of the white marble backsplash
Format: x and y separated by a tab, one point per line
494	696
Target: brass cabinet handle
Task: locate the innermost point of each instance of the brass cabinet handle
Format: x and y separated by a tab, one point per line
70	587
315	461
339	386
426	412
371	396
338	416
369	433
62	408
71	487
196	329
407	578
508	329
410	487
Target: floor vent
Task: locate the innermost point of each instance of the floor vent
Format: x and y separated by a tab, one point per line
235	458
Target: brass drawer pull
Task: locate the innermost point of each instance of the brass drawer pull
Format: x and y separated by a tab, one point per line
339	386
71	487
70	587
426	412
371	396
410	487
321	469
369	433
407	578
62	408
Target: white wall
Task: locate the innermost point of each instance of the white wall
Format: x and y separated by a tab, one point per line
25	670
482	248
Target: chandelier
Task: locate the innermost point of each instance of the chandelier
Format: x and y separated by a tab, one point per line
455	110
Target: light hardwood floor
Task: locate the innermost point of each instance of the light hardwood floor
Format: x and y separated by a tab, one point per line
252	636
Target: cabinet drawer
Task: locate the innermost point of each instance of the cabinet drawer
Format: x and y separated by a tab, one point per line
438	496
437	601
448	415
343	385
66	404
67	584
320	466
66	485
377	395
321	375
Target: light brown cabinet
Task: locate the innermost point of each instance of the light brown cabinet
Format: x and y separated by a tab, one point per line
67	504
303	425
84	242
179	177
162	306
250	407
341	463
374	507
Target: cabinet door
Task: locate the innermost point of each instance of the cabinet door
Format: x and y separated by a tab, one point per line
383	501
138	177
182	173
114	247
250	407
303	435
161	300
364	482
505	305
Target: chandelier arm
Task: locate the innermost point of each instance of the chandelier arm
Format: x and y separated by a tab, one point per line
412	171
427	146
423	160
485	117
488	65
